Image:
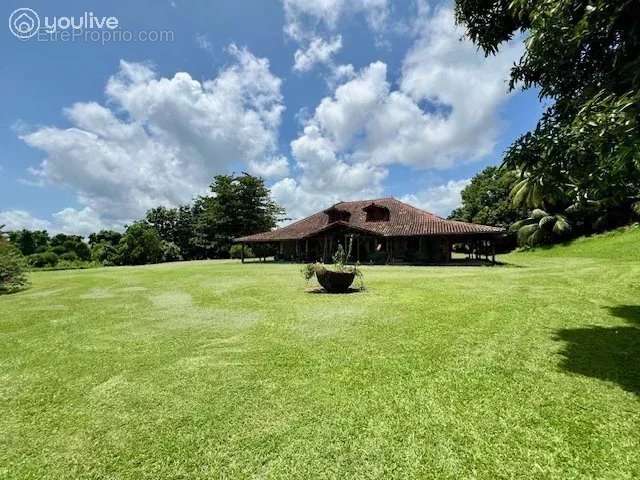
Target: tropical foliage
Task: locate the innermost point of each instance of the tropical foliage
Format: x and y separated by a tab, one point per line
584	57
487	199
540	228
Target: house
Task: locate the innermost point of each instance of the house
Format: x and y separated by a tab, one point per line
384	230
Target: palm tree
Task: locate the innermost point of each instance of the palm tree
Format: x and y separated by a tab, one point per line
541	227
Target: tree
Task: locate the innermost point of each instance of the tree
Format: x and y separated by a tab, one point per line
104	247
62	244
236	251
184	232
105	253
109	237
240	205
140	245
44	259
13	269
30	242
204	240
583	55
487	201
541	228
170	252
164	220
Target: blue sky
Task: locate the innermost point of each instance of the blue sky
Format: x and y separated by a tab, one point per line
328	99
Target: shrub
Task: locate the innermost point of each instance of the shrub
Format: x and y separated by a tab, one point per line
69	257
170	252
13	269
309	270
74	265
104	253
43	260
236	251
58	250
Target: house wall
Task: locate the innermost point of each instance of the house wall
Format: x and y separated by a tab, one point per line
367	249
420	249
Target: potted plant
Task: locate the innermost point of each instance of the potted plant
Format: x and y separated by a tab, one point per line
339	277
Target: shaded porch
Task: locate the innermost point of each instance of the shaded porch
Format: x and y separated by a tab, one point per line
377	249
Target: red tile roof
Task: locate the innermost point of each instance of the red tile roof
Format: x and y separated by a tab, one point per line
404	220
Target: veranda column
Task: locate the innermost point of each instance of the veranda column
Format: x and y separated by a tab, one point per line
324	249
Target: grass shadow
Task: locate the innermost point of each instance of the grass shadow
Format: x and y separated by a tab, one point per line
322	291
607	353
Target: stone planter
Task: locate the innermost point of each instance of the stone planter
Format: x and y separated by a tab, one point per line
335	282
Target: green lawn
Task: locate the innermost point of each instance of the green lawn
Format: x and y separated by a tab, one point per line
216	369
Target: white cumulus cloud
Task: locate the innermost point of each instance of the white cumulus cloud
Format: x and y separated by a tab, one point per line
444	111
69	220
273	167
318	51
312	24
160	140
304	17
19	219
441	199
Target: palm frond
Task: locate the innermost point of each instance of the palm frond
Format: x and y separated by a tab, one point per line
547	223
562	226
539	214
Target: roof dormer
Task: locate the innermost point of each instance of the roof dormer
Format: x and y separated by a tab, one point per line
337	215
376	213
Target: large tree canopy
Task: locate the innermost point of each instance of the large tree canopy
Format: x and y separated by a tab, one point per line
584	56
240	205
486	200
140	244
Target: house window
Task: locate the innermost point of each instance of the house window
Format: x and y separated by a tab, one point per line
337	215
377	213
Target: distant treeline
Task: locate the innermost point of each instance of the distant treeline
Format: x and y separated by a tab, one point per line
238	205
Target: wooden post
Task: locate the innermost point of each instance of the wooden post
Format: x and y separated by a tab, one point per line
358	248
324	248
388	249
242	253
